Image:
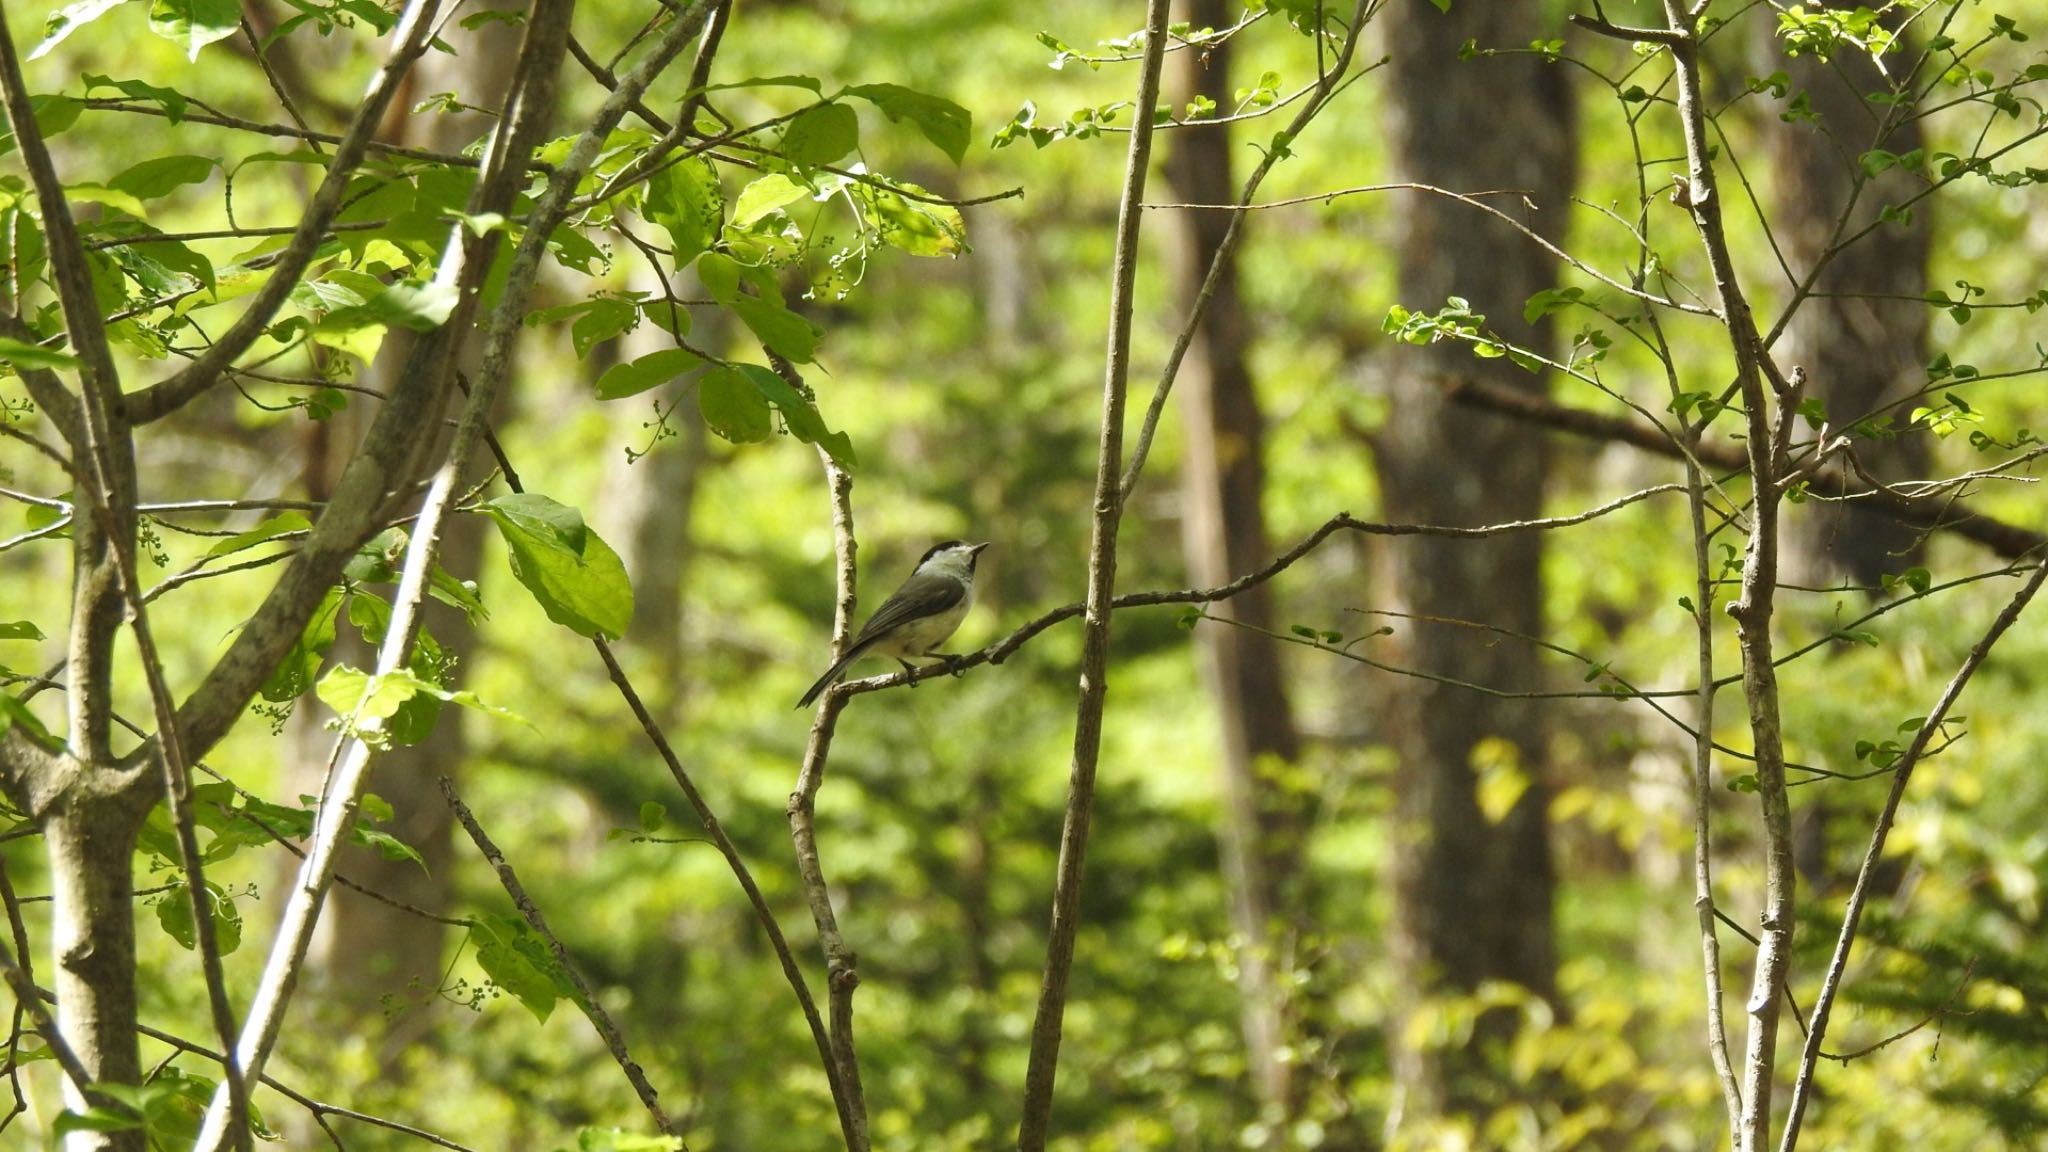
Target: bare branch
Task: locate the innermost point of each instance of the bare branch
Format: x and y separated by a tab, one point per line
1902	774
1004	648
1950	515
1325	88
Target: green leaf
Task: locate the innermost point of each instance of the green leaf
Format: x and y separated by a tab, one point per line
95	1119
20	630
270	529
170	100
13	711
616	1140
517	960
194	23
721	276
807	83
798	414
686	201
25	355
605	318
162	175
943	122
294	674
174	915
53	115
764	196
653	815
821	135
784	332
638	375
69	19
419	305
733	407
369	699
578	580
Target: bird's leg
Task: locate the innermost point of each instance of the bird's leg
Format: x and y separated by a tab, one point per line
908	667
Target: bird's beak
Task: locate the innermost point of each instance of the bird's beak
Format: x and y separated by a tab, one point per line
976	550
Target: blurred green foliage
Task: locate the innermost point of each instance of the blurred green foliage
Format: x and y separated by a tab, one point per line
963	384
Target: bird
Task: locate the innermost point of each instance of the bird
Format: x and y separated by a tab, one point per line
919	617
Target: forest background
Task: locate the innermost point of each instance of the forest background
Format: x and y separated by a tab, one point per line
1406	819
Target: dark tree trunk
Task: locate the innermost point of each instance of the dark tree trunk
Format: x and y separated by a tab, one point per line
1472	897
1860	353
1224	534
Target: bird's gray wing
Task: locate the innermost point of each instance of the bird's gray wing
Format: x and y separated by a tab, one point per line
920	596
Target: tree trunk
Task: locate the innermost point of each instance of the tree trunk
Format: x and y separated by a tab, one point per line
1860	352
89	839
1223	535
1472	895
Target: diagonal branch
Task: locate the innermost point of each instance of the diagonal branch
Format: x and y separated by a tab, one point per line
1927	513
586	998
1333	81
1902	774
518	132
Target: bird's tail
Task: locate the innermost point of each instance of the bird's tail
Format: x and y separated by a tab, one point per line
833	673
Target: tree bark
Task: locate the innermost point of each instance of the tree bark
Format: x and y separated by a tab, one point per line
1223	534
89	840
1473	897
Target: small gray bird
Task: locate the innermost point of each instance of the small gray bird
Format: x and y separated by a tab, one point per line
919	617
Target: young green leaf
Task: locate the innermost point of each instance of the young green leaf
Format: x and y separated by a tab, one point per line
575	576
270	529
733	407
943	122
764	196
638	375
686	201
194	23
821	135
515	957
25	355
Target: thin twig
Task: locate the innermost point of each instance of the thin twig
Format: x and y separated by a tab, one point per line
586	997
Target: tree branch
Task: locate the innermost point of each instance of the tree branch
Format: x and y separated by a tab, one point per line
1331	82
1929	514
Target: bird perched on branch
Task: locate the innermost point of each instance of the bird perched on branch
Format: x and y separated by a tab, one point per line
922	614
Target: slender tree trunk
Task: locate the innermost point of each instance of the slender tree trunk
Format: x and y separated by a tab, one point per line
1473	896
1224	534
